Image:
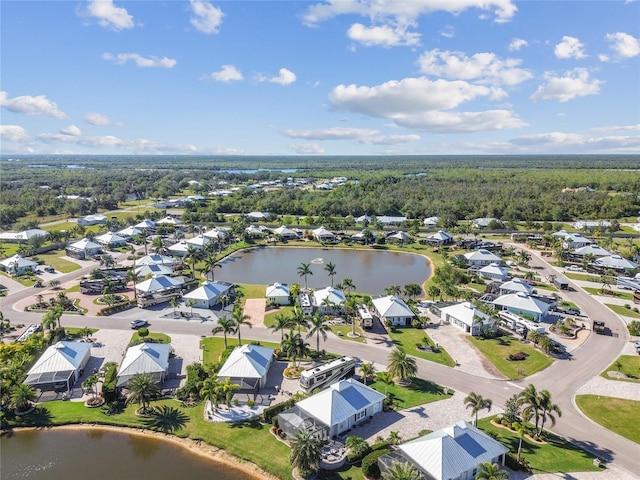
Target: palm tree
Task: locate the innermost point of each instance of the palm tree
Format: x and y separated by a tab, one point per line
132	276
548	409
174	304
350	310
52	317
412	290
402	471
225	326
305	452
387	379
531	400
367	370
193	255
491	471
143	389
394	438
89	383
294	347
299	319
402	365
331	271
520	429
209	391
226	389
239	318
190	303
304	270
318	326
358	446
347	284
22	396
393	290
283	322
210	264
476	402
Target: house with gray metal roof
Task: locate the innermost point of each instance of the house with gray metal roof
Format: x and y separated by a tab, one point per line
523	304
393	310
247	366
60	366
144	358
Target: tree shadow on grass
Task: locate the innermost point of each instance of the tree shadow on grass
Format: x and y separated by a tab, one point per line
254	424
425	386
40	418
166	419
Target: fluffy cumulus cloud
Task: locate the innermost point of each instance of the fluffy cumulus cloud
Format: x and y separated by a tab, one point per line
360	135
93	118
228	73
108	15
139	60
573	84
307	149
284	77
482	67
516	44
205	17
608	140
623	44
30	105
71	130
423	104
382	35
13	133
569	47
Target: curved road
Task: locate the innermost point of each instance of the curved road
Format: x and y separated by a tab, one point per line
562	379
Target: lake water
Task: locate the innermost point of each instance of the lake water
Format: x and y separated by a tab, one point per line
100	454
370	270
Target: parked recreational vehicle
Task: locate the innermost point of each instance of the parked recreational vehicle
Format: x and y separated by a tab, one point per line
325	375
365	316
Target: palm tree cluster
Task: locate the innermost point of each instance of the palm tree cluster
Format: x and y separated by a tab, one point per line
539	407
305	452
401	365
231	325
476	403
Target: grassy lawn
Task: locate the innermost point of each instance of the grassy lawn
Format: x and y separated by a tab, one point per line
616	414
343	332
74	332
60	226
407	338
478	287
417	393
497	350
620	310
270	317
582	277
214	346
60	264
252	290
557	455
627	364
237	439
610	293
544	286
156	337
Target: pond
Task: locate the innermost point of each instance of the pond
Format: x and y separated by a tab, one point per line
370	270
101	454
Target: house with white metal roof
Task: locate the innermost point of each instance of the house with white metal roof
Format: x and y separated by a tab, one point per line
278	293
84	248
149	358
516	285
363	219
616	262
522	304
218	234
110	240
199	242
494	271
257	216
481	257
467	317
389	220
455	452
248	366
439	238
258	231
18	265
153	270
431	221
129	232
393	310
286	233
209	294
23	236
158	283
333	410
329	300
576	240
169	220
95	219
399	238
321	234
60	366
484	222
145	224
156	259
595	250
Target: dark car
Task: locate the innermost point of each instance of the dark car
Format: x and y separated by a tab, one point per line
139	324
572	311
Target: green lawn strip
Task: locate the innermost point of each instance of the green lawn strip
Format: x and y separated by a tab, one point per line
252	290
407	338
419	392
74	332
60	226
616	414
582	277
154	336
9	249
60	264
214	346
626	364
26	280
556	455
346	472
343	331
621	310
610	293
497	350
544	286
478	287
270	316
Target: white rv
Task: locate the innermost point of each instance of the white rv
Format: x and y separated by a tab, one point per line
325	375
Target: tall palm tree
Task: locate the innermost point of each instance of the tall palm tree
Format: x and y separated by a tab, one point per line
351	310
52	317
358	446
520	430
367	370
210	264
548	408
305	452
402	365
331	271
304	270
402	471
209	391
393	290
299	319
22	396
318	326
491	471
348	285
226	389
476	402
530	399
193	255
283	322
386	378
143	389
239	318
225	326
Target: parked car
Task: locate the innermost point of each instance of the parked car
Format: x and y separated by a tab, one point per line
49	269
572	311
575	268
139	324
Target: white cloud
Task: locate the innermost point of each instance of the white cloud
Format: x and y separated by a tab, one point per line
603	57
205	17
29	105
460	122
483	67
578	142
360	135
93	118
383	35
624	44
228	73
448	31
108	15
575	83
13	133
569	47
517	43
71	130
307	149
139	60
392	139
285	77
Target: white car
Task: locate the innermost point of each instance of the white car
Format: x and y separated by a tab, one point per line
138	324
575	268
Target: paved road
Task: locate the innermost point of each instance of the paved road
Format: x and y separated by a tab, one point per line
562	379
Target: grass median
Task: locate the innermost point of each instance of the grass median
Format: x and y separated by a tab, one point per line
616	414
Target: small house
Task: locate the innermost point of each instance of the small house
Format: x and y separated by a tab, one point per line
278	294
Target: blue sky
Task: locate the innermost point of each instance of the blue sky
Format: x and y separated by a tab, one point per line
341	77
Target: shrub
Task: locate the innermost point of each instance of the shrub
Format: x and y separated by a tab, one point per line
370	467
634	327
274	410
517	357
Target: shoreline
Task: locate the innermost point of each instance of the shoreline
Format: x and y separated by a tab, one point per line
201	448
